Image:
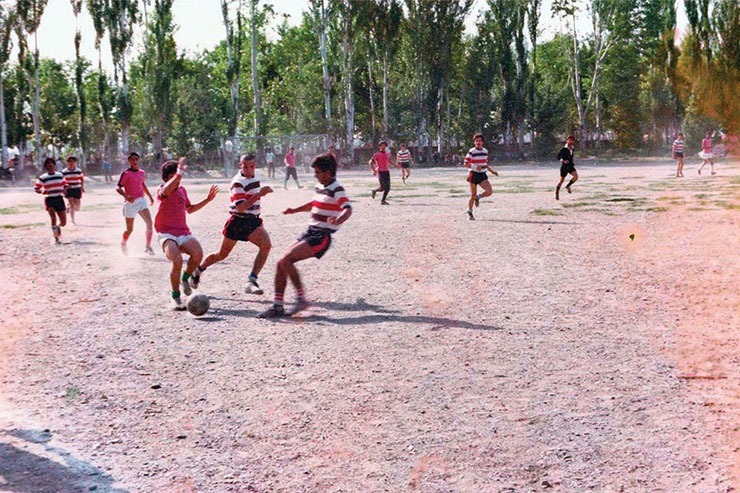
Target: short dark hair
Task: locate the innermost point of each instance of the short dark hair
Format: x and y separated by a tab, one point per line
382	143
325	162
49	160
72	158
168	168
247	157
133	154
478	135
570	137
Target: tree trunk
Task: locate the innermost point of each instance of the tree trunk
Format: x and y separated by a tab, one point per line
36	101
349	102
372	96
255	82
386	70
3	124
82	105
325	64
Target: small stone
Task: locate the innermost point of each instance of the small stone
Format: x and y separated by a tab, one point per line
156	386
181	437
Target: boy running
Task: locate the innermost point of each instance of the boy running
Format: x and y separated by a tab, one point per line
477	161
76	186
403	158
379	165
566	166
244	224
329	208
52	185
706	153
174	236
290	168
678	155
132	187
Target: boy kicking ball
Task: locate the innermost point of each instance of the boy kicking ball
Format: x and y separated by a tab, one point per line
174	236
329	208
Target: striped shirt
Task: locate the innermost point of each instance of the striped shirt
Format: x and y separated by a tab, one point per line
328	201
403	156
74	177
50	184
241	189
677	146
478	159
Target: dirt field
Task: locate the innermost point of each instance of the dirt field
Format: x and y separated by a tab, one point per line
590	344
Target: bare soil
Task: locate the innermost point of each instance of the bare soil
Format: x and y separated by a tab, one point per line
590	344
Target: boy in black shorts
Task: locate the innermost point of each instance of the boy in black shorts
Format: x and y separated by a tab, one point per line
566	166
329	208
75	186
52	186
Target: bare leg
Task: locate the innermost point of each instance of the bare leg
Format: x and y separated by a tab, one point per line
147	216
172	252
487	189
227	244
473	193
574	178
260	238
286	266
193	249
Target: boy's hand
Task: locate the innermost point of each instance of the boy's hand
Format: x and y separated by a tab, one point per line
181	166
265	190
212	192
494	173
288	211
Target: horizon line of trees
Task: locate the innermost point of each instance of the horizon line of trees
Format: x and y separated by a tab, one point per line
372	70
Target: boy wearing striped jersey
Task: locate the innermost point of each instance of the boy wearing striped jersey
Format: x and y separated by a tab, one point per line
403	158
329	208
52	186
244	224
132	187
174	235
567	166
678	155
76	186
476	160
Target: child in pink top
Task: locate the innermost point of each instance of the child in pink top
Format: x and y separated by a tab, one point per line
173	233
379	165
706	153
132	187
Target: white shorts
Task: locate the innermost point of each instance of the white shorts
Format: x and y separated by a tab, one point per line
706	155
180	240
131	209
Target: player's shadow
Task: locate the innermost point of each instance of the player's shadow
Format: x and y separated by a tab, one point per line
382	314
24	471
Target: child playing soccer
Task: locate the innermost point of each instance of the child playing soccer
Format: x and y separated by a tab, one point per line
174	236
76	186
403	158
678	155
132	187
566	166
477	161
244	224
706	154
52	185
379	165
329	208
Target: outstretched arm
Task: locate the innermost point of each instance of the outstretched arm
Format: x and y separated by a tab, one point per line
211	195
173	182
304	208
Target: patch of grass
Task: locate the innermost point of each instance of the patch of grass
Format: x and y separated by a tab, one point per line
72	393
8	210
577	204
694	209
18	226
634	177
702	196
727	205
546	212
657	209
669	198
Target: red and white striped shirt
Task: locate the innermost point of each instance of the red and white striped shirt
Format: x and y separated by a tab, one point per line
677	146
403	156
241	189
74	177
328	201
478	159
50	184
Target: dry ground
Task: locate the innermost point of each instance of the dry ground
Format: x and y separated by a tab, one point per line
590	344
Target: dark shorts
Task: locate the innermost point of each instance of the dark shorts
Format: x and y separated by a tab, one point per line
678	155
74	193
565	169
477	178
405	165
319	239
291	172
238	228
384	178
55	203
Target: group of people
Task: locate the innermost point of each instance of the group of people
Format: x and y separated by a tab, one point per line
330	207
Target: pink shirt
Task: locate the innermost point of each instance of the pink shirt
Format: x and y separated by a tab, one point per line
170	217
381	161
132	182
290	160
706	145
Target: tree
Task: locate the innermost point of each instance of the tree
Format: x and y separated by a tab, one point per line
98	10
255	76
7	20
81	103
234	44
120	21
323	11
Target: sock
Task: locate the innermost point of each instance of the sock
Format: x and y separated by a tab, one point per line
175	295
300	294
148	237
125	237
253	277
185	277
198	271
470	211
279	299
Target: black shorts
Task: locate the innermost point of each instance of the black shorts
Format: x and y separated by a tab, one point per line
565	169
678	155
319	239
405	165
74	193
55	203
238	228
384	178
291	172
477	178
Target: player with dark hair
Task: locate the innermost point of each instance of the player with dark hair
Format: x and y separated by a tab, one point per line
132	187
567	166
76	186
52	185
477	161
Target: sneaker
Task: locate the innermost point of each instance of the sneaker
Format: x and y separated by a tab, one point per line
178	305
470	215
273	312
57	241
300	305
476	201
568	189
698	171
148	250
124	248
557	194
186	287
194	281
714	172
403	179
253	288
383	202
373	193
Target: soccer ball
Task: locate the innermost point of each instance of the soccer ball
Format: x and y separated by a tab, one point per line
198	304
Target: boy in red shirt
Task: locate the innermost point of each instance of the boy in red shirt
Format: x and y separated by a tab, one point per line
379	164
132	187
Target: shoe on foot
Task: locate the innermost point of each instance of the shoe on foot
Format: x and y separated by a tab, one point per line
557	194
273	312
194	281
698	171
470	215
177	304
714	172
186	287
300	305
57	241
383	202
253	288
568	189
124	248
476	201
373	193
148	250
